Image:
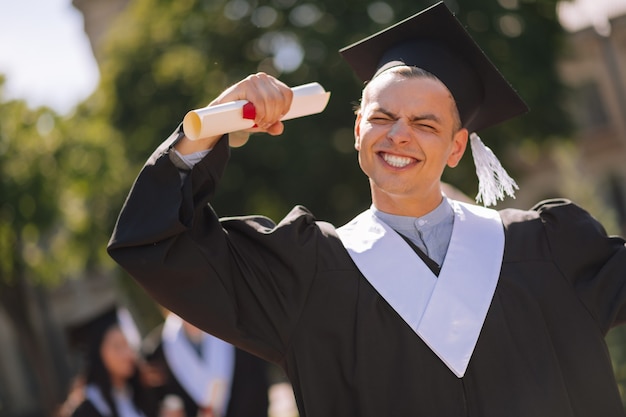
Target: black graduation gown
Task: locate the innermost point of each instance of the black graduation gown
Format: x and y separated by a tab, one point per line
291	294
86	409
249	390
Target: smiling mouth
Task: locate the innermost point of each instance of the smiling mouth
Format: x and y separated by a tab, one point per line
395	160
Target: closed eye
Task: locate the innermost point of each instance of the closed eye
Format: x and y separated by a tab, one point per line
380	119
427	126
428	122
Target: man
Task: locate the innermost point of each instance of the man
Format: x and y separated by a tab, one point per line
421	306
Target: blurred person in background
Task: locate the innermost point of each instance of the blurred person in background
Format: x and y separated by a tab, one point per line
111	380
212	377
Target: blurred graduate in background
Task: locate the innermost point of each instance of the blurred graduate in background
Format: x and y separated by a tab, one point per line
110	384
212	377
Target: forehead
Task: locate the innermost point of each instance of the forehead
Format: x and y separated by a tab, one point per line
112	335
392	89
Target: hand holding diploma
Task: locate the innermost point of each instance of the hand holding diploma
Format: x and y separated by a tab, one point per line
258	103
240	115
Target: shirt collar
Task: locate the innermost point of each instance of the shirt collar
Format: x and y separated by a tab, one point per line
443	212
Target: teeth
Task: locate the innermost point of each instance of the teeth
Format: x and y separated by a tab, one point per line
396	161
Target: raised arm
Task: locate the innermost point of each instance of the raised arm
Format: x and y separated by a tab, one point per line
244	279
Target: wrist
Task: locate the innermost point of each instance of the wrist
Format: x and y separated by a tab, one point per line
187	146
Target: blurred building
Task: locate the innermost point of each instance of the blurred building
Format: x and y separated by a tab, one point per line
593	67
98	16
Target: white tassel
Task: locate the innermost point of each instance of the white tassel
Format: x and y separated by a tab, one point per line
493	180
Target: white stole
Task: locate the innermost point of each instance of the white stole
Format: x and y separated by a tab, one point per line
122	399
208	379
446	312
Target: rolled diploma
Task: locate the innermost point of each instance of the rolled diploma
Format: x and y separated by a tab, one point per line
228	117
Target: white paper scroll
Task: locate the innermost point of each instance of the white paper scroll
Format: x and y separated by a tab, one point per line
228	117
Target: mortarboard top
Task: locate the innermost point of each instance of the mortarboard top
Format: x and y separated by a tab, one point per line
81	334
435	41
87	334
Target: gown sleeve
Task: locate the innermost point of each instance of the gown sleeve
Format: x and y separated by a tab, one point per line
594	263
243	279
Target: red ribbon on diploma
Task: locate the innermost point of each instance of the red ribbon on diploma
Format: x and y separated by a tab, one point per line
249	112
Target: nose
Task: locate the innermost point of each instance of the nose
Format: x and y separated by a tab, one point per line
400	132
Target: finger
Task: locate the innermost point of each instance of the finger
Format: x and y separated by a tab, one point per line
247	89
276	129
281	102
259	93
273	101
281	98
237	139
270	97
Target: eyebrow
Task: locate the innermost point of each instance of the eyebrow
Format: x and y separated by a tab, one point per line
425	116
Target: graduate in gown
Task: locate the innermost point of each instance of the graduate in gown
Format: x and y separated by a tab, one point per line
420	306
207	374
112	381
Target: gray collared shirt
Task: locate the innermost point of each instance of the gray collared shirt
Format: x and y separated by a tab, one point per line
431	232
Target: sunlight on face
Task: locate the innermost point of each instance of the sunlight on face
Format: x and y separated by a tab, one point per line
407	132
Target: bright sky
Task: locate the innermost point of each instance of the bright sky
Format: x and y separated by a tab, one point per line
44	53
47	60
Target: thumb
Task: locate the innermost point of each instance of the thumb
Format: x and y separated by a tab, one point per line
276	129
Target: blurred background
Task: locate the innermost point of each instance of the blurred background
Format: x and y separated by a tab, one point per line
88	88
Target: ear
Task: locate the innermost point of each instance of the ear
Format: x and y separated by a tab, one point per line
357	131
459	143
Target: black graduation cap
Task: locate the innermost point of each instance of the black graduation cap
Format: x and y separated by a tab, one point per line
435	41
85	335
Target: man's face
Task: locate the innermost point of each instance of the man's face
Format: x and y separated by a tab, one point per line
406	135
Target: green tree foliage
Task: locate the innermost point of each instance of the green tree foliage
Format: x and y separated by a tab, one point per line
27	212
166	58
58	178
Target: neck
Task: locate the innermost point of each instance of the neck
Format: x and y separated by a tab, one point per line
406	206
118	382
193	336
